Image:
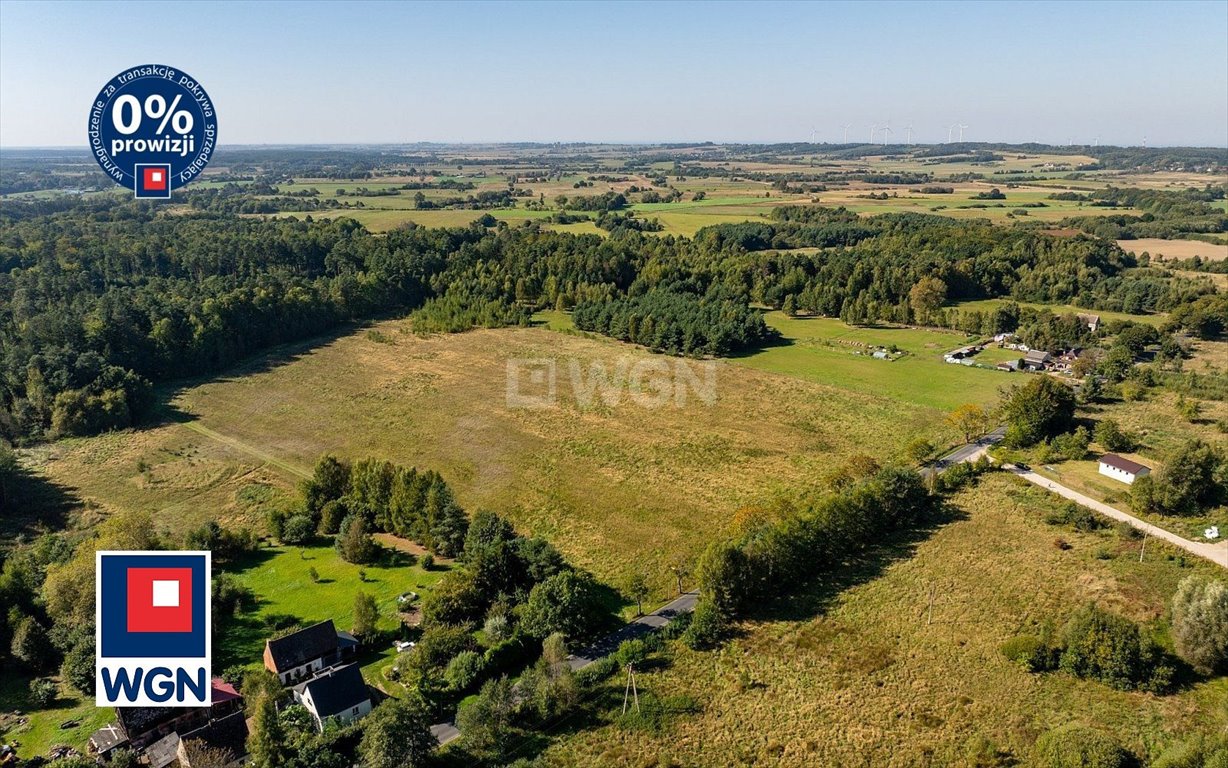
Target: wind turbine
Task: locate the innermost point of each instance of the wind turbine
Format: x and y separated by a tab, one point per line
961	132
1096	142
812	133
886	132
950	130
846	132
908	129
873	130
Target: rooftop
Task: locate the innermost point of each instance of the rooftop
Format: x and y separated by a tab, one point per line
1124	464
298	648
336	690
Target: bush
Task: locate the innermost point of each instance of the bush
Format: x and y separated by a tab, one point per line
631	652
1200	623
1030	652
1197	752
594	673
331	515
1075	746
42	692
1111	436
1078	517
354	543
297	529
428	561
707	628
497	627
1102	646
464	670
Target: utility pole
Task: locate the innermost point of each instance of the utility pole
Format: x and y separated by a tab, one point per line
631	690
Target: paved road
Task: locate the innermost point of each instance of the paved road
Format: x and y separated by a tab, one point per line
1216	553
968	452
651	622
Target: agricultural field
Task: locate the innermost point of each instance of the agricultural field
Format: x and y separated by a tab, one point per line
857	671
612	489
1166	250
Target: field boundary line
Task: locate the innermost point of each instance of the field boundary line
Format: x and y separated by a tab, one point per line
243	447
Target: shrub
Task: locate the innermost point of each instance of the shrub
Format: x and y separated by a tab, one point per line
428	561
631	652
354	543
42	692
1200	623
1075	746
594	673
1196	752
1078	517
1112	649
1112	437
297	529
331	515
707	627
497	627
1030	652
464	670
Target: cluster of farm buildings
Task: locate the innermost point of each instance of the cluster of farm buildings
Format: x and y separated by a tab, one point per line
316	663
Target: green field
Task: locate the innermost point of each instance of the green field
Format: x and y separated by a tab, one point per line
821	349
279	576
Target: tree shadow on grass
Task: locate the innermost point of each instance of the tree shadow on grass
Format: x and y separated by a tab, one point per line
816	596
32	504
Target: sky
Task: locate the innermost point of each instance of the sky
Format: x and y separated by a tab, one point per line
383	72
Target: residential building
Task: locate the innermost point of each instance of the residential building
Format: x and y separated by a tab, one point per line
304	653
338	693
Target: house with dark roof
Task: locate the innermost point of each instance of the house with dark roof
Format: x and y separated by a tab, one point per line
1037	360
338	693
225	738
1123	469
301	654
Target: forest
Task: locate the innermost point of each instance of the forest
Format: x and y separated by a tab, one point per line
103	298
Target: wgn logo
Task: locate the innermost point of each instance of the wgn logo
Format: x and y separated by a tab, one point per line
153	629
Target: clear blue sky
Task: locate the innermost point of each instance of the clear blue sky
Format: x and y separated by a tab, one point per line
383	72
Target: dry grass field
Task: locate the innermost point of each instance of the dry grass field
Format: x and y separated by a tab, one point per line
1175	249
617	487
852	672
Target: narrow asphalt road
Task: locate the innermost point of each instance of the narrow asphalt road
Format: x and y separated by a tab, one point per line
650	622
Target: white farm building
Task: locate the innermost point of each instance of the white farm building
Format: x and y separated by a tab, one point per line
1118	468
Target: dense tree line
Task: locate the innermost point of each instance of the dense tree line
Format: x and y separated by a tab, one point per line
677	322
1166	213
770	554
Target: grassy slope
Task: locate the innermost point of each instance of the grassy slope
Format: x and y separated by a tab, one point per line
856	675
617	488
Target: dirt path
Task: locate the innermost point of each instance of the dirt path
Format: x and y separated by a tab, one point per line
1216	553
238	445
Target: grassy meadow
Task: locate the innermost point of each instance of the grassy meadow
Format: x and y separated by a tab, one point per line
855	672
617	486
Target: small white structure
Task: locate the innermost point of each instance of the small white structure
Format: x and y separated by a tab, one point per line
1212	532
1118	468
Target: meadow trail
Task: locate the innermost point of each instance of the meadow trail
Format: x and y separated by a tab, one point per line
238	445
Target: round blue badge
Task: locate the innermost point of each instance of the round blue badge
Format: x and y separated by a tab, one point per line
152	129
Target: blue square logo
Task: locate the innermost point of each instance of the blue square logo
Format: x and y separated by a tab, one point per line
153	628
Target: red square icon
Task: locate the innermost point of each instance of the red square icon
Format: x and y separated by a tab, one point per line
159	599
155	178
